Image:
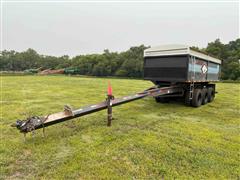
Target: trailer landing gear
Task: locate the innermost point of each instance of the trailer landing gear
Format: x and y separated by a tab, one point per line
110	97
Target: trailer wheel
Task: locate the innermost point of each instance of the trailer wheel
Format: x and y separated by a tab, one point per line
187	100
204	96
162	99
211	94
197	98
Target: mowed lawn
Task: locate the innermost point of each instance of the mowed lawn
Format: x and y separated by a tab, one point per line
147	140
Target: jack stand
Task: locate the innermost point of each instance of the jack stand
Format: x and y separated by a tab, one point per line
110	97
109	110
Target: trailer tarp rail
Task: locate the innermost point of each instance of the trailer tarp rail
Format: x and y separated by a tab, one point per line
35	122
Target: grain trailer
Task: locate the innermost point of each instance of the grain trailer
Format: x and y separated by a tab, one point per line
175	70
185	67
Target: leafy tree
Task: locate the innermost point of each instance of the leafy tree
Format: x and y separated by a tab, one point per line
229	54
125	64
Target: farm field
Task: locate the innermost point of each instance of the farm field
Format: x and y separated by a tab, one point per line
147	140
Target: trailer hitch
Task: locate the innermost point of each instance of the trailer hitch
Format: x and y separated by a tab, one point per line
30	124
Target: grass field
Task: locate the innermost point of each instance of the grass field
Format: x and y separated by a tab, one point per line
147	140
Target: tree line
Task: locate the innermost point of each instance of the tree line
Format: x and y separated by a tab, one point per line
124	64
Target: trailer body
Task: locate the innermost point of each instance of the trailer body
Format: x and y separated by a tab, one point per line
179	63
176	71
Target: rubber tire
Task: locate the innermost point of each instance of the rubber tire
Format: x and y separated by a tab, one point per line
162	99
204	96
197	98
186	98
211	94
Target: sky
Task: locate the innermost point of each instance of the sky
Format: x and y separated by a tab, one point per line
74	28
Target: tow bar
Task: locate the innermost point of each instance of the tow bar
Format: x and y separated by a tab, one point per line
35	122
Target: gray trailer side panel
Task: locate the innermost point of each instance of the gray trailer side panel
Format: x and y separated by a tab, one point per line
196	70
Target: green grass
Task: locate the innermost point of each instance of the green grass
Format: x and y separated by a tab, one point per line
147	140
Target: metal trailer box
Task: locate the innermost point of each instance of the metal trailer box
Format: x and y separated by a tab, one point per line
179	63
